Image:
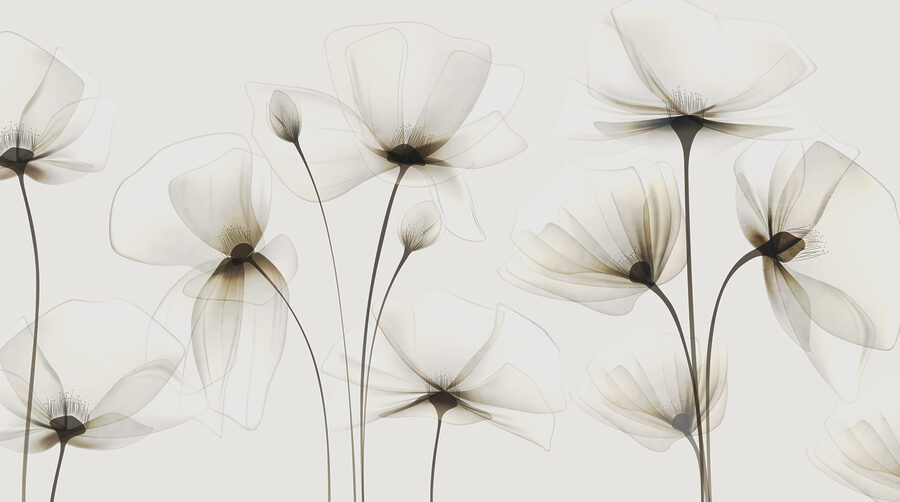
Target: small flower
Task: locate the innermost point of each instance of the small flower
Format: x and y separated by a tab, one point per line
409	98
82	396
284	117
204	203
652	399
600	238
53	128
653	63
463	363
828	232
421	226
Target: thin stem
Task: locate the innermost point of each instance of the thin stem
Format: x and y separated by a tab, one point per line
437	437
709	343
693	373
362	369
62	450
387	292
34	341
337	287
312	357
704	481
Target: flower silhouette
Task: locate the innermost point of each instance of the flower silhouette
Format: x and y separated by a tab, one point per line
412	103
600	237
823	226
652	399
421	226
462	363
654	63
53	128
204	203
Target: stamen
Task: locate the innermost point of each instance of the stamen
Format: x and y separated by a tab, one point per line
17	136
814	243
444	380
409	134
68	404
232	236
686	103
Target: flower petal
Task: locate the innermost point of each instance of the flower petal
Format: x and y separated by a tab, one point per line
453	197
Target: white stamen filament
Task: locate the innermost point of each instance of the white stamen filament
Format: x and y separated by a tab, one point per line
18	136
686	103
232	235
68	404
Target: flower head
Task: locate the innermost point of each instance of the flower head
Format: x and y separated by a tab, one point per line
421	226
827	231
600	237
443	356
409	98
53	128
205	203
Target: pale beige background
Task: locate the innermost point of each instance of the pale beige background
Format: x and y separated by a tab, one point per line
177	69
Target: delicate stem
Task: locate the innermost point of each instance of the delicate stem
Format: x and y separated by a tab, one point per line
362	369
337	287
312	357
691	370
437	437
387	292
62	450
704	481
709	343
34	341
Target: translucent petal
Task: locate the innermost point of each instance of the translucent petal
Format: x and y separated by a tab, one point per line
456	204
484	142
110	431
31	64
54	103
421	226
41	439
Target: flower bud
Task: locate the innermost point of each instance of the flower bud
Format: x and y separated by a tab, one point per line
421	226
284	117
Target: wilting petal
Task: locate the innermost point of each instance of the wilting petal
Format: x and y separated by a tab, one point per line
340	149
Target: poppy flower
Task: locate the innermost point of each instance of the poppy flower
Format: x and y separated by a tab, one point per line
205	203
656	64
414	106
651	397
421	226
600	237
824	227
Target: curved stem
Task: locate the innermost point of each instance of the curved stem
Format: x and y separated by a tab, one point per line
437	437
693	373
34	342
312	357
686	128
337	287
387	292
362	369
704	481
709	343
62	451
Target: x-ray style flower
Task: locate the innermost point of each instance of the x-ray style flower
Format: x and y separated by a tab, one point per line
413	104
102	381
656	64
421	226
651	397
824	227
441	356
205	203
600	237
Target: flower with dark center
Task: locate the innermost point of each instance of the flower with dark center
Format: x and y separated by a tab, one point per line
824	227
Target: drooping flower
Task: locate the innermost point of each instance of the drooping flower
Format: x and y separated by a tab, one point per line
53	127
83	396
826	230
654	63
410	99
651	397
421	226
600	237
444	357
205	203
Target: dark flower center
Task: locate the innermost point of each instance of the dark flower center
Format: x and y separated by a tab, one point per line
783	246
67	427
16	158
406	155
241	252
683	422
443	402
641	273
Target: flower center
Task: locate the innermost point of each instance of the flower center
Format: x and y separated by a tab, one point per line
795	245
68	413
407	155
684	102
17	144
235	242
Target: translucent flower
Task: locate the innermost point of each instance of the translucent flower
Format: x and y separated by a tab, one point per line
651	397
462	363
53	128
83	396
421	226
205	203
412	103
827	231
600	237
654	63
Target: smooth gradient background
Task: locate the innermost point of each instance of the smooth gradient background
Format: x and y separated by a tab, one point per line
177	69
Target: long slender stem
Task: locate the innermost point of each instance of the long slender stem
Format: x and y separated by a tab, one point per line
693	374
62	451
709	343
312	357
387	293
337	287
34	341
362	369
704	480
437	437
